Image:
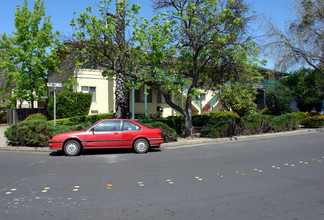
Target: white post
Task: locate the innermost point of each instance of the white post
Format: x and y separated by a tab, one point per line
55	106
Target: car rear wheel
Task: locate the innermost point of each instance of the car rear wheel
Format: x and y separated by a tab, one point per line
72	148
141	146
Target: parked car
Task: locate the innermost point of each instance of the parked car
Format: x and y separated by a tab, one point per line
109	133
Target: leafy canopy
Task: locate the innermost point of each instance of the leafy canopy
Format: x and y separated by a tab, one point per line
29	55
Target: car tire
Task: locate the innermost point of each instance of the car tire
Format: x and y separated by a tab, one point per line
72	148
141	146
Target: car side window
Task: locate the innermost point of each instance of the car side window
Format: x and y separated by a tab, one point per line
105	126
130	126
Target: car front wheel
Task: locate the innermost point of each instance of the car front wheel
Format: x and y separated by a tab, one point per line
72	148
141	146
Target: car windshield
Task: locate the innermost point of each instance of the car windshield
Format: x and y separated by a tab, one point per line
87	128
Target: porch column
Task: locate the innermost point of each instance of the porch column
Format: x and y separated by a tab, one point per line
145	100
133	100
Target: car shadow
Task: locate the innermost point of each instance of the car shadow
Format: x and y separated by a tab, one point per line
60	153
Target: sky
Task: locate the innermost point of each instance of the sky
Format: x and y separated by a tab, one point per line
61	12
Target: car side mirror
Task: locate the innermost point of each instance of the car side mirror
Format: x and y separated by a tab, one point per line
92	130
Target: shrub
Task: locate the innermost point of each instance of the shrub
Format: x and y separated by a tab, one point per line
200	120
285	122
239	98
278	99
83	119
313	121
300	115
314	114
36	133
222	124
167	133
3	116
256	123
37	116
69	104
175	122
265	111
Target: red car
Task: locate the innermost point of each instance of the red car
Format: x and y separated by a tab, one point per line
109	133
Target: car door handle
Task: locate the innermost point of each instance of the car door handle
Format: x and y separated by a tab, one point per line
116	133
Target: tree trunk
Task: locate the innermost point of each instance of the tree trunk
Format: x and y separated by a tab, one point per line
120	102
188	119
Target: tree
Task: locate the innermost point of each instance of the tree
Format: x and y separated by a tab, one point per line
193	44
303	42
307	87
239	98
29	55
278	99
101	41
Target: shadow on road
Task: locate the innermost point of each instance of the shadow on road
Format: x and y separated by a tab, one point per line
90	152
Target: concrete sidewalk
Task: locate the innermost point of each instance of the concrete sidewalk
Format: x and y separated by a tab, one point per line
182	142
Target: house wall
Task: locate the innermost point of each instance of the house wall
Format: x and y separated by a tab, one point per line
104	102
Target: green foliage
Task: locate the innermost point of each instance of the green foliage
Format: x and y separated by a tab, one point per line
36	133
314	114
69	104
257	123
200	120
285	122
37	116
89	119
222	124
3	116
239	98
307	87
278	99
167	133
175	122
265	111
29	54
313	121
300	115
227	125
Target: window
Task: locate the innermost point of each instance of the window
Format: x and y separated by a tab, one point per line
105	126
160	98
130	126
139	95
203	96
91	89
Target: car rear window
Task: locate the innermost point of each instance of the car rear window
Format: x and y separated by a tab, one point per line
146	125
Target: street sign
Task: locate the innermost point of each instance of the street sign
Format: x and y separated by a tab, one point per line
49	84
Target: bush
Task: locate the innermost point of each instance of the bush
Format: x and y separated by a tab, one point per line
265	111
256	123
278	99
167	133
314	114
83	119
69	104
36	133
3	116
286	122
200	120
313	121
300	115
37	116
174	122
239	98
222	124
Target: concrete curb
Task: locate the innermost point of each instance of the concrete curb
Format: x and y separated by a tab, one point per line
184	142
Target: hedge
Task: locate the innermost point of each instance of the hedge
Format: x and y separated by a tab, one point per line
83	119
167	133
69	104
313	121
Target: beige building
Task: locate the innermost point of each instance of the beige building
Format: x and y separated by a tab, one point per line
103	99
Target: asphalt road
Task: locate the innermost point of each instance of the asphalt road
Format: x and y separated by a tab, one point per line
272	178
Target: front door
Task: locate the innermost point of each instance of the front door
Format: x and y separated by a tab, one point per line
105	134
